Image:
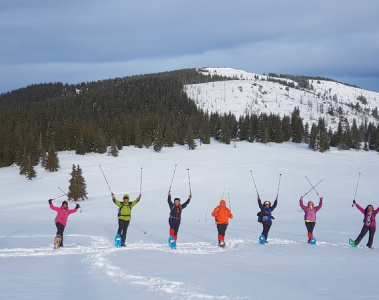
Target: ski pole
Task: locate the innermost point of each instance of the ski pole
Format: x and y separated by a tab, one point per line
105	179
251	172
64	192
172	179
222	196
58	197
68	197
206	213
356	189
277	193
189	181
140	186
312	186
230	205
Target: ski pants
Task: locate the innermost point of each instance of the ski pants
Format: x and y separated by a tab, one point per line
60	229
221	228
310	226
266	229
371	232
122	229
174	224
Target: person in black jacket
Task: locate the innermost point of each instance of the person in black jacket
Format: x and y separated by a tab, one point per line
266	216
175	214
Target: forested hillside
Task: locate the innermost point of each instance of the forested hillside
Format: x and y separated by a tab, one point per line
145	110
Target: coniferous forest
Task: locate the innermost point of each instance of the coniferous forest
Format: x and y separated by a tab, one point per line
145	110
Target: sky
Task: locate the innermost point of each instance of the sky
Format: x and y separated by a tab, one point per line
79	41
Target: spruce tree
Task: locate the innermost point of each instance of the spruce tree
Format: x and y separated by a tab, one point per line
77	188
158	139
112	149
52	162
189	139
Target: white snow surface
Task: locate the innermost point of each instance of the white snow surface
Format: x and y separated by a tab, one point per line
90	267
256	96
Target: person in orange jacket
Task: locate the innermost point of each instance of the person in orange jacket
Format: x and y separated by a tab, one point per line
222	214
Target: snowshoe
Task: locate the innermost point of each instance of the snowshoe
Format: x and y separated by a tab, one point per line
221	244
262	239
313	241
171	242
57	241
352	243
117	241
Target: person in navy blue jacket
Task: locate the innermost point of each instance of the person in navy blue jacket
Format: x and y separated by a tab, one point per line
266	216
175	214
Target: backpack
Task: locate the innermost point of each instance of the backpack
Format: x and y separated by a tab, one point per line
119	209
259	217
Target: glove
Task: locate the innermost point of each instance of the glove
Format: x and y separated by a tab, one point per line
354	202
50	201
77	205
322	198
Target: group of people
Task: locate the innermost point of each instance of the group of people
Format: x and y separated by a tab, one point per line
222	214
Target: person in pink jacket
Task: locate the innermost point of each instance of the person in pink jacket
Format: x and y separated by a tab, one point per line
62	214
310	215
369	224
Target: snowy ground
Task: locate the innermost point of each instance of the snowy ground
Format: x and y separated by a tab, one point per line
89	267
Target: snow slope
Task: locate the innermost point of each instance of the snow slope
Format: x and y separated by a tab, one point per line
89	267
251	95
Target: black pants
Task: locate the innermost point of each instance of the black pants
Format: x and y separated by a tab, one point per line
60	229
266	229
371	232
221	228
122	229
310	226
174	224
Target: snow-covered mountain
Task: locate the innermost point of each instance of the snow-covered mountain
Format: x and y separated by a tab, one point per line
252	93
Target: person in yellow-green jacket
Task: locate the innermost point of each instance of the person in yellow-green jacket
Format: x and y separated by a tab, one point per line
124	214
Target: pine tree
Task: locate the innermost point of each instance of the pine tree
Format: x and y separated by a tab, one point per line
52	162
158	139
112	149
77	188
189	140
30	172
297	126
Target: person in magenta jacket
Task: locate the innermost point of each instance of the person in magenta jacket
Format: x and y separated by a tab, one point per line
310	215
369	224
62	214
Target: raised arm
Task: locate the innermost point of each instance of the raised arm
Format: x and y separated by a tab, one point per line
260	203
317	208
303	207
136	201
187	202
275	204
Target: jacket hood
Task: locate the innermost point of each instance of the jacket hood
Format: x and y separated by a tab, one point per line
223	202
310	203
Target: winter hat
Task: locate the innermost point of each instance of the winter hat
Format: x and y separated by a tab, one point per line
64	202
310	203
177	199
126	196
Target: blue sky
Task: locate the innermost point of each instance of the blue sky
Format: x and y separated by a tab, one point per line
73	41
